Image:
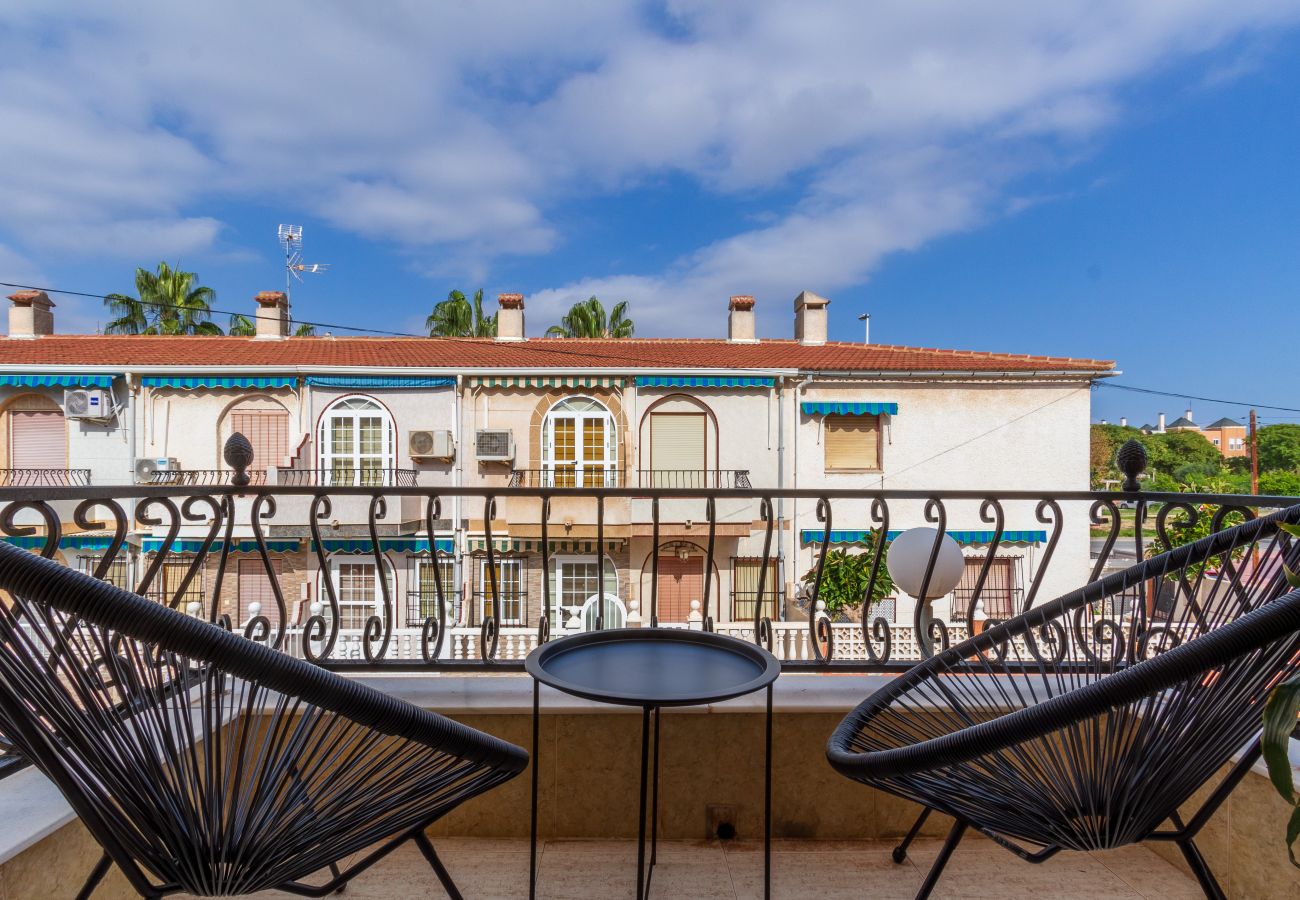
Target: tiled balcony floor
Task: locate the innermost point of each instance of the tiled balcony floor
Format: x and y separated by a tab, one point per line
824	870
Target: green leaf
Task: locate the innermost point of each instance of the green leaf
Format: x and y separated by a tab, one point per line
1293	530
1292	578
1279	721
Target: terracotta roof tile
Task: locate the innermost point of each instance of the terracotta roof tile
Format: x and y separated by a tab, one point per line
550	353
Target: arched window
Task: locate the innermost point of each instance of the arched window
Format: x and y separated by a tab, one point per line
38	439
357	443
579	445
265	422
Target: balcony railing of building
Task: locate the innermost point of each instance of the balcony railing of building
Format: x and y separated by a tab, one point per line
44	477
347	477
568	476
203	476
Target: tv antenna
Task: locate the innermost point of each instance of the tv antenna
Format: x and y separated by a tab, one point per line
294	267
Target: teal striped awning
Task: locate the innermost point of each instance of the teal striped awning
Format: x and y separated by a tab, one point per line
81	381
187	545
197	383
67	542
371	382
548	381
813	408
386	545
534	545
814	536
669	381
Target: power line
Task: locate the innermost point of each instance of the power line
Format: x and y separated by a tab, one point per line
1142	390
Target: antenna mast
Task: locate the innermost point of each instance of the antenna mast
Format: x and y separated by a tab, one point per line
291	242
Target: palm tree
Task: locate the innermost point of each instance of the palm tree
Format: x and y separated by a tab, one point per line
241	326
169	302
304	330
587	319
455	317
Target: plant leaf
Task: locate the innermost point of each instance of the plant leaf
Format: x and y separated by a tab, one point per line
1279	721
1293	530
1292	578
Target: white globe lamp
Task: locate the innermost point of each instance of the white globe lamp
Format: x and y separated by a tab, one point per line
254	610
907	561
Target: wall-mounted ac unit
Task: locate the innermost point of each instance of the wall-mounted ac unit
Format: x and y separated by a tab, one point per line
495	446
156	470
431	444
87	404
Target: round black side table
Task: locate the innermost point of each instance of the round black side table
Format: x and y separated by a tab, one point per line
653	668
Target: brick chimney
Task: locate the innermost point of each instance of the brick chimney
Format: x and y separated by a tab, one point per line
510	317
740	320
30	316
810	318
272	315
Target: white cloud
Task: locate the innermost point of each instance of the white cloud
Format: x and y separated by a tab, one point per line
460	131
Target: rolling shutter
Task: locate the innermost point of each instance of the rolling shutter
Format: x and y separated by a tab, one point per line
38	439
267	430
680	582
677	442
255	585
852	443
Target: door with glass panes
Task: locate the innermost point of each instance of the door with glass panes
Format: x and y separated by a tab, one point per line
579	445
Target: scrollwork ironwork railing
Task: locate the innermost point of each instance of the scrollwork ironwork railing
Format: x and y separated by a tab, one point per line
1074	535
44	477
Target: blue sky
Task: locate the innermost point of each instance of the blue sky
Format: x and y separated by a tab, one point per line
1109	180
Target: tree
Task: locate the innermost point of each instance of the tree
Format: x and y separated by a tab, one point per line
587	319
241	326
304	330
847	576
169	302
1279	448
455	317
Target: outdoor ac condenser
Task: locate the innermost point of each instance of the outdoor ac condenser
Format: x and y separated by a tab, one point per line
87	404
156	470
431	444
495	446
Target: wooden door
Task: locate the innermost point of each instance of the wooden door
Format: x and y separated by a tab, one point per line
680	582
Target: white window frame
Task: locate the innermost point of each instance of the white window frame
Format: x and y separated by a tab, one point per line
557	609
485	590
376	605
447	564
607	477
349	408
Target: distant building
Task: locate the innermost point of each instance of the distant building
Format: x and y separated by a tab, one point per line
1183	423
1228	437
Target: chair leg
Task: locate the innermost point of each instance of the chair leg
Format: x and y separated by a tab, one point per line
334	871
426	847
95	877
949	845
900	852
1201	869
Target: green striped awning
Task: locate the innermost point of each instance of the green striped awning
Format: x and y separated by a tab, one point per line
153	545
67	542
190	384
548	381
386	545
814	536
848	409
81	381
534	545
668	381
371	382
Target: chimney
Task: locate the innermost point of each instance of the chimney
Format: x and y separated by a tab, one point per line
30	315
1123	421
810	318
272	315
865	319
740	320
1188	415
1160	423
1105	422
510	317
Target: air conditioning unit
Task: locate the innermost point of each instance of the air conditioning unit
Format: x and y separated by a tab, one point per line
87	404
495	446
156	470
431	444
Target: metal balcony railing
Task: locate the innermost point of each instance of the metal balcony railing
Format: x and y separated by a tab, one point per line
347	477
566	476
203	476
44	477
693	479
770	522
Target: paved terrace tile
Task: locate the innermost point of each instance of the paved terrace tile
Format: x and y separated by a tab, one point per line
825	870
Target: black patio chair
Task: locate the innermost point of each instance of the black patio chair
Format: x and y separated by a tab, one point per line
207	763
1067	729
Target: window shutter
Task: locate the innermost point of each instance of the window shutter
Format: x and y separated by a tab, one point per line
677	442
852	442
268	432
38	439
255	585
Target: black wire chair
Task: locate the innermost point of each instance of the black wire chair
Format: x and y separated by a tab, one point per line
1086	723
207	763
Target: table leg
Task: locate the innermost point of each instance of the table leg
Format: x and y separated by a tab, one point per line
767	804
640	839
654	805
532	846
